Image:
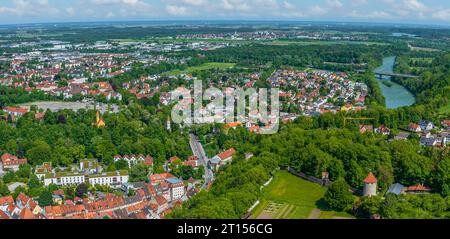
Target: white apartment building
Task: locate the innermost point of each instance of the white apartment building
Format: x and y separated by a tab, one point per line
113	179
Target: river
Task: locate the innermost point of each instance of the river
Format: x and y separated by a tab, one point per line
396	95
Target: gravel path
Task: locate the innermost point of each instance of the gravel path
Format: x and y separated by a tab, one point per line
315	214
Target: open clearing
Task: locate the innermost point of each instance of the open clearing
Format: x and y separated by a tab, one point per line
206	66
75	106
322	43
290	197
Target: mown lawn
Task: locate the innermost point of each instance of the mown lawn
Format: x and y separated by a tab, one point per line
289	189
305	196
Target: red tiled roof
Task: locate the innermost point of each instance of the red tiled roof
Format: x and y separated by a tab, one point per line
160	200
8	159
23	198
413	126
370	178
4	215
15	110
160	177
6	200
39	115
227	154
190	163
148	161
418	187
26	214
233	124
58	192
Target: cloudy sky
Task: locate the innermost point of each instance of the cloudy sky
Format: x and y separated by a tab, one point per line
410	11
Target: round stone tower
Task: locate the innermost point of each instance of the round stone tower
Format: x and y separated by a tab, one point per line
370	185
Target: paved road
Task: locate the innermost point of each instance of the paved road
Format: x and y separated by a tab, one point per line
199	152
1	170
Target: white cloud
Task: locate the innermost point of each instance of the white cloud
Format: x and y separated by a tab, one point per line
359	2
194	2
414	5
443	15
71	11
334	3
176	10
376	10
317	10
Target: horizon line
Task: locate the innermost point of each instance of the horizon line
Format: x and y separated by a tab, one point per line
406	23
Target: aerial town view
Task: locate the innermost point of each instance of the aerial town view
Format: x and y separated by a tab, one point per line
224	109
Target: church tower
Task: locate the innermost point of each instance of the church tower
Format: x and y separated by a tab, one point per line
99	122
168	124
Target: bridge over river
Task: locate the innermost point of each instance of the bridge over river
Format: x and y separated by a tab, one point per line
380	74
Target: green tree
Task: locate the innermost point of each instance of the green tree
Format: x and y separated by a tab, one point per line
45	199
338	197
9	177
4	191
24	171
139	172
39	153
81	190
121	165
369	206
34	182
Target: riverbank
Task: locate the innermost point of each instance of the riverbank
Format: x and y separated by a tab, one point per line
396	95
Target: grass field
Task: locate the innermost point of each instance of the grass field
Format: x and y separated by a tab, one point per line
323	43
206	66
290	197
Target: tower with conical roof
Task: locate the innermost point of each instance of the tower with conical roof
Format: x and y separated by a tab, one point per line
370	185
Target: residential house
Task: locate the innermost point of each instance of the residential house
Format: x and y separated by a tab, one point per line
418	189
414	128
176	188
135	159
155	179
383	130
192	161
402	136
222	158
426	125
58	196
396	189
366	129
446	124
15	112
12	162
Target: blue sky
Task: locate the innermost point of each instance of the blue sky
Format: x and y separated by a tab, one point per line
399	11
